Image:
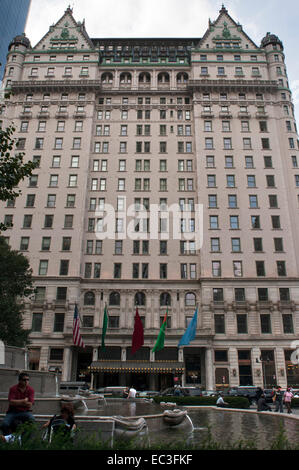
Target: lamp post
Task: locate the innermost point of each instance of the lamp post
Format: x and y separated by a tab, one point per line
263	361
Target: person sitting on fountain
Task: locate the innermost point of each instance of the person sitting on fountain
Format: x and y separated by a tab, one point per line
20	399
262	404
220	402
64	422
132	392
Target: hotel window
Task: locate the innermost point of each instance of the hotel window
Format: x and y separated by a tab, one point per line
30	200
275	219
64	267
281	268
39	143
278	244
265	323
78	126
24	244
43	268
262	294
227	143
245	126
204	71
247	144
208	126
210	161
58	143
284	294
216	268
240	294
75	161
163	271
237	268
258	244
232	201
225	126
260	268
236	244
48	222
73	180
121	184
215	244
229	162
234	222
214	222
221	70
209	144
70	200
37	320
230	181
242	324
265	144
33	181
219	322
255	222
211	181
287	321
238	71
251	181
268	162
253	201
68	221
270	179
53	181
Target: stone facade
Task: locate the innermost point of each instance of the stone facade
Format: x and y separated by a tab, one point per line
206	124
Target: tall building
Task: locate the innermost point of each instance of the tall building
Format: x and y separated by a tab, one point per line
168	180
13	19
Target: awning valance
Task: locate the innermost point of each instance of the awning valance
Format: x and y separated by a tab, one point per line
140	367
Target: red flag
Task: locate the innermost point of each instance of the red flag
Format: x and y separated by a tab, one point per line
137	338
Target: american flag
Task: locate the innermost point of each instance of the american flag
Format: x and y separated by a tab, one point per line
76	329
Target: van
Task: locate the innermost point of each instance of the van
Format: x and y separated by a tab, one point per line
73	388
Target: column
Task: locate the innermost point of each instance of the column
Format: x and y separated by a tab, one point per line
67	365
210	378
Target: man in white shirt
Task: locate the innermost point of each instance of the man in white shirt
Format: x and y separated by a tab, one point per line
132	392
220	402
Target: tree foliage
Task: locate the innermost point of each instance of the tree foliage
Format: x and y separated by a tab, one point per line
12	167
15	285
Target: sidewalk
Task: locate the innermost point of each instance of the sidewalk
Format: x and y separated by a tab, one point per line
295	411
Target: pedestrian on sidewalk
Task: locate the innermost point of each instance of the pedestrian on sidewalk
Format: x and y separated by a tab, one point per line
288	400
278	399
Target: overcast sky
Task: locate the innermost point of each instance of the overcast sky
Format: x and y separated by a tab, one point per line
174	18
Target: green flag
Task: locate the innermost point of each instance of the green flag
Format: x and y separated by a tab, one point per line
105	323
161	336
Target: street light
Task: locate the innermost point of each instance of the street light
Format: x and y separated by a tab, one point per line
263	361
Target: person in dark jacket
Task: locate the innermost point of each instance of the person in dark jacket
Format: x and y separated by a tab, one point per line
262	405
278	399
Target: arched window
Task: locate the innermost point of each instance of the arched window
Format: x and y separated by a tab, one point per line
125	77
114	299
190	299
165	299
140	299
163	77
182	77
144	77
107	77
89	298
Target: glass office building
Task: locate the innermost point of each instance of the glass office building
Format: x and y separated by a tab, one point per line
13	19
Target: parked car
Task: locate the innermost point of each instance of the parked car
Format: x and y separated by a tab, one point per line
73	388
181	391
111	391
244	391
210	393
147	394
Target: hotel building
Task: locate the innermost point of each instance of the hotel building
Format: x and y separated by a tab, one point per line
168	179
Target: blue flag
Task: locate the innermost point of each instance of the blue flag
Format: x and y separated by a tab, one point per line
190	332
